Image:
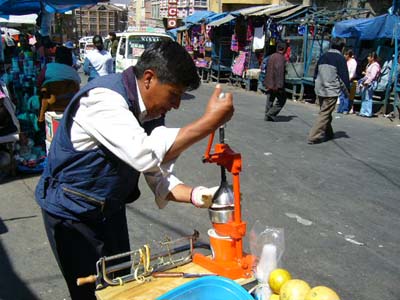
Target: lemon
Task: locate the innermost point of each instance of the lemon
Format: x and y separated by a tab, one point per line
322	293
277	278
274	297
294	289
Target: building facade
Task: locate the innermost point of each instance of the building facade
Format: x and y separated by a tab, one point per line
101	19
155	12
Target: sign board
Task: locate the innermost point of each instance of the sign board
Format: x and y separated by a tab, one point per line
172	14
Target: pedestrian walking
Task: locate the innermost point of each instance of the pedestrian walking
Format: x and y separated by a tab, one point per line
113	130
275	83
98	62
331	78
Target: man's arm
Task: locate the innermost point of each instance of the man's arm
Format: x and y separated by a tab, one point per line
86	66
218	112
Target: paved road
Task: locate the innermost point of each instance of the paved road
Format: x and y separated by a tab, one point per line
338	202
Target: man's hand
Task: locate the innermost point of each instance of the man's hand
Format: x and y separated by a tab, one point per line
219	110
202	197
217	113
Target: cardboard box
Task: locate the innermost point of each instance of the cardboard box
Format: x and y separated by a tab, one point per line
52	119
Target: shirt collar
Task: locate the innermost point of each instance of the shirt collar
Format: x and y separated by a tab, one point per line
142	107
334	50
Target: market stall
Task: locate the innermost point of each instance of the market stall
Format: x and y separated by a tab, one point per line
309	35
23	56
384	27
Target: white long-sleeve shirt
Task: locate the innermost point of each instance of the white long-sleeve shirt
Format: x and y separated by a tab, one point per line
98	63
103	117
352	67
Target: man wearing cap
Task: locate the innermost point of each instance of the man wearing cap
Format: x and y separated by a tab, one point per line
75	61
113	130
98	62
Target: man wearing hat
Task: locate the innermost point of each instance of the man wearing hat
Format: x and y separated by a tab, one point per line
76	64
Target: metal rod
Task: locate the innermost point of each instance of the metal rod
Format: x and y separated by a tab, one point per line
222	141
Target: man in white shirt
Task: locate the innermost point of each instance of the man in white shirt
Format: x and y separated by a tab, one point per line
110	133
98	62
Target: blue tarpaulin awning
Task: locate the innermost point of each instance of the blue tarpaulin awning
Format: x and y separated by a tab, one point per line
199	16
24	7
383	26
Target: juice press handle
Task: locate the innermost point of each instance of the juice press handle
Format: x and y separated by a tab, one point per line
221	132
222	141
224	195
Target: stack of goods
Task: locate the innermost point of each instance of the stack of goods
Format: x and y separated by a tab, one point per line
52	119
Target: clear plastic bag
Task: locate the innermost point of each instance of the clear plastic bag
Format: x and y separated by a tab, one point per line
267	245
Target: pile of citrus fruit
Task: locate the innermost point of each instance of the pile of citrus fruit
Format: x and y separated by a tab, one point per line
285	288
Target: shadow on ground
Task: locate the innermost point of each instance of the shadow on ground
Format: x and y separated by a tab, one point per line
284	118
11	286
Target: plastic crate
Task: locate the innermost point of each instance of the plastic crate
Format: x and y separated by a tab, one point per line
210	288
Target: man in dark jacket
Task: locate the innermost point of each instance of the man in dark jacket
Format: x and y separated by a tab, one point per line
275	83
111	132
331	77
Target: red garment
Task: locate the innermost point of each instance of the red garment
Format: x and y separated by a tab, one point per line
287	53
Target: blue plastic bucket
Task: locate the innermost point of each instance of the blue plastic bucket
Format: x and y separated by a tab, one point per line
210	288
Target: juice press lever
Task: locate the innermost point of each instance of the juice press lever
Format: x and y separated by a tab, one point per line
226	236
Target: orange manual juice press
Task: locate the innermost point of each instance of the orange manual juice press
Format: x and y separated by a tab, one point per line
226	242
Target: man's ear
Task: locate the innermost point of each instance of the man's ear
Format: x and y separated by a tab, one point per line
147	77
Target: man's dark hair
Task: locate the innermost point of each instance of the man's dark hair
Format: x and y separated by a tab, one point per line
281	46
337	44
112	34
63	56
350	53
98	42
171	62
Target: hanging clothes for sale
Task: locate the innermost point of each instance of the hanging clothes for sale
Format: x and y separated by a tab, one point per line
250	30
312	30
259	38
239	38
301	30
234	43
274	30
239	63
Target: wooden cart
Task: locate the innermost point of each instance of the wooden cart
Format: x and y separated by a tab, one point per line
155	287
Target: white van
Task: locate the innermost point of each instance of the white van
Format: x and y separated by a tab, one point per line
131	46
85	44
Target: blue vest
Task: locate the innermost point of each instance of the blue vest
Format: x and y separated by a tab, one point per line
89	185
